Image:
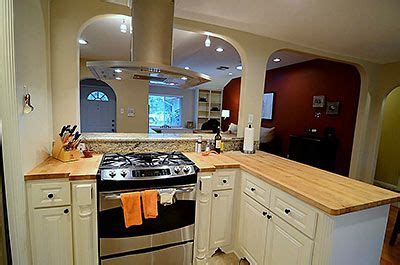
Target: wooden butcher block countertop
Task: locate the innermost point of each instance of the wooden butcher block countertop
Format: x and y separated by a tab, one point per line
51	168
331	193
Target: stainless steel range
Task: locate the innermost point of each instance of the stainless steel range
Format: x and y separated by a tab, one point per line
167	239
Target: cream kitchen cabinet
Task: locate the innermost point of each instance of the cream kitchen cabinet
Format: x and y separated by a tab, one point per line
253	229
286	245
221	218
52	236
63	221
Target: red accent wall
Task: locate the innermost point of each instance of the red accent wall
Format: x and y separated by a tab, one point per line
294	88
230	101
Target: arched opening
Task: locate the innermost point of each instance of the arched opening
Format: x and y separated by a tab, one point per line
97	106
145	106
310	109
387	173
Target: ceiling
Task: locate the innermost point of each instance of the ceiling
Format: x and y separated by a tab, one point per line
107	42
365	29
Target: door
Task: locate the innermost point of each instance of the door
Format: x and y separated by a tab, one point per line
97	106
286	245
253	229
52	236
221	218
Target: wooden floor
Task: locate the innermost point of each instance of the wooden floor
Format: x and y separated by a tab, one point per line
391	254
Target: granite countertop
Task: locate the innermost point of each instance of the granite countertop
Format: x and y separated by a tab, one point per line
132	137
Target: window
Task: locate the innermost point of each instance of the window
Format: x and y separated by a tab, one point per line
165	110
97	96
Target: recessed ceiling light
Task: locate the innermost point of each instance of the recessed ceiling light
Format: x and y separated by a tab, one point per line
82	41
219	49
207	42
277	60
184	78
187	67
118	70
118	78
239	67
230	73
171	84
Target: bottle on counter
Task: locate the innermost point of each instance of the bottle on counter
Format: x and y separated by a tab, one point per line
197	147
218	141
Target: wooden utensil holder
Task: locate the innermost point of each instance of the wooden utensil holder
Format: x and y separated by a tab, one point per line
63	155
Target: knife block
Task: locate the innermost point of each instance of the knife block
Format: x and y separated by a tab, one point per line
63	155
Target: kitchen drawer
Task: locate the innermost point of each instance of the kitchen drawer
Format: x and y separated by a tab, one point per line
294	211
256	189
50	194
223	179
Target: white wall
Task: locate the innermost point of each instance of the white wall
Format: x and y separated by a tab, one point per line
188	100
31	61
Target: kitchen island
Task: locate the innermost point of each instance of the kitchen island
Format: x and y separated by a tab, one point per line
259	206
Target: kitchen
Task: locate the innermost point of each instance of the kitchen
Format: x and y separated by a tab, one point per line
49	84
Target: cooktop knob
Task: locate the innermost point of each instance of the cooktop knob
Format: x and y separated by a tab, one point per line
177	169
124	173
112	174
186	169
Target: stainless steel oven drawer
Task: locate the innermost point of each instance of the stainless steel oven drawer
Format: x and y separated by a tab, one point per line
175	255
110	246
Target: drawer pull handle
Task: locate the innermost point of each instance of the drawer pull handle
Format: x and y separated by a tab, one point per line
50	195
269	216
287	211
224	181
265	213
66	211
216	195
253	189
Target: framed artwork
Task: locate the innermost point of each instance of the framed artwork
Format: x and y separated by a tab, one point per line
318	101
268	106
332	108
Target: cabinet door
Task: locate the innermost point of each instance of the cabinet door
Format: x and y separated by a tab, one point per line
253	229
84	223
221	218
52	236
286	245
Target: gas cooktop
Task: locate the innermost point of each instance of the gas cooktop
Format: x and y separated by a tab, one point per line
146	169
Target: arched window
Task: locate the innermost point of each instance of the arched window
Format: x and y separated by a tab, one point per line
97	96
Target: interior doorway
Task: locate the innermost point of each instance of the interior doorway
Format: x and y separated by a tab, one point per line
97	106
387	172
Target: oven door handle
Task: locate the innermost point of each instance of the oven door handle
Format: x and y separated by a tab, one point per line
117	196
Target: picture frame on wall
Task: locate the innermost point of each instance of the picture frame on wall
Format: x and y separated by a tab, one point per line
268	106
318	101
332	108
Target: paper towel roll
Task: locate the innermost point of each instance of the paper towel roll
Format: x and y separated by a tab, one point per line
248	143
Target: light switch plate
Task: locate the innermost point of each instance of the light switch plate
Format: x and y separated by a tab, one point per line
131	112
122	111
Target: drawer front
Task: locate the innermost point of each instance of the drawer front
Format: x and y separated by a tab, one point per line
223	179
50	194
294	211
256	189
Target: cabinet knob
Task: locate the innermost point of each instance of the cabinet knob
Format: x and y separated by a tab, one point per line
224	181
265	213
253	189
66	211
287	211
269	216
216	195
50	195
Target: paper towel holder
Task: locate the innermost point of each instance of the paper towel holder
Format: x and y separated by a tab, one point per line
253	149
247	152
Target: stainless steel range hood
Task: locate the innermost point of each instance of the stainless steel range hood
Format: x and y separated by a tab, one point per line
151	49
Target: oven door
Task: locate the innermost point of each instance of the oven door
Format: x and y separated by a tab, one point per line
173	227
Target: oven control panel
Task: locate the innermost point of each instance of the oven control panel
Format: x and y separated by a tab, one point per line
146	173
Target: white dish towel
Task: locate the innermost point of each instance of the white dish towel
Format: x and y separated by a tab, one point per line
166	196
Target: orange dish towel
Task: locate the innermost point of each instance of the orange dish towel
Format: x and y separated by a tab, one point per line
132	208
149	200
